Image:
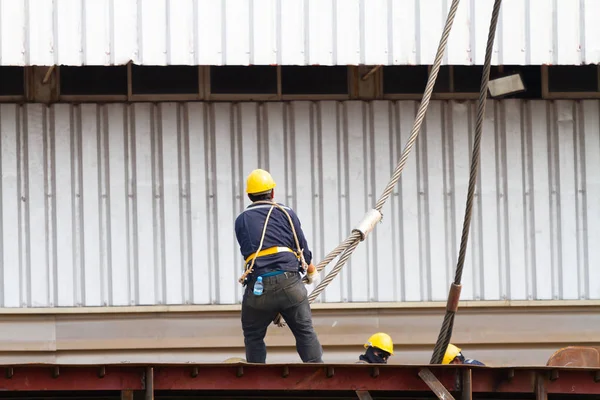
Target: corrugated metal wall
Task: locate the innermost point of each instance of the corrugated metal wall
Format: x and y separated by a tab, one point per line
292	32
134	204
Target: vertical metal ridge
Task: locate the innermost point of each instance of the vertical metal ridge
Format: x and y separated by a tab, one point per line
472	31
23	193
306	24
236	144
581	200
49	133
320	186
361	32
168	51
530	205
224	27
83	49
78	223
158	203
399	239
528	42
185	208
27	36
371	198
278	32
251	31
140	32
555	50
104	220
582	36
499	40
479	264
316	193
424	219
369	184
503	278
390	33
111	33
449	182
132	204
418	31
293	167
346	287
334	27
54	39
554	201
213	203
196	33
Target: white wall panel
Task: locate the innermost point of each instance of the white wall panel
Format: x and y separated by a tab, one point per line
293	32
135	204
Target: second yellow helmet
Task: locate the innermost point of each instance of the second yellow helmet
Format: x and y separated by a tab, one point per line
382	341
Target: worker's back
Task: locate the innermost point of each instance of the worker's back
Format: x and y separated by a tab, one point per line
249	227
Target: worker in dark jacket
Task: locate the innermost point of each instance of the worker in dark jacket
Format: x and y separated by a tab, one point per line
454	356
272	279
379	349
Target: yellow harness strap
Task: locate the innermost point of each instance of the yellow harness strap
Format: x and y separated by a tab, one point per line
268	252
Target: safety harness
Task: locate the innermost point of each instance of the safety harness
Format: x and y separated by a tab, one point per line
249	268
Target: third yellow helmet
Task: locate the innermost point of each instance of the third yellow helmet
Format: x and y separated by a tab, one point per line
259	181
382	341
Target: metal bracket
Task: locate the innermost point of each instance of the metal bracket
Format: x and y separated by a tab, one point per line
434	384
363	395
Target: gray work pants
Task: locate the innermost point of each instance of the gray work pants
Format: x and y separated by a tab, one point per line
285	294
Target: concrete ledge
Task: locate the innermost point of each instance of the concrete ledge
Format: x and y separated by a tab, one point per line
497	335
317	306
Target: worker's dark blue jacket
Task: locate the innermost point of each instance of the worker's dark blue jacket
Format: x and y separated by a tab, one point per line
473	362
248	230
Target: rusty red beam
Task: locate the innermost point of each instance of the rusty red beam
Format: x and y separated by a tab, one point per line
71	378
297	377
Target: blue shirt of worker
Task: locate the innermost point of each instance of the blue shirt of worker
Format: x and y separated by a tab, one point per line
248	231
473	362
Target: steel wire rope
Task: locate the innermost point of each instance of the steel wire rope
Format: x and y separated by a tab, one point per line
454	294
347	247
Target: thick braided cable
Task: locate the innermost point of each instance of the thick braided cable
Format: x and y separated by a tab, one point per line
422	107
448	324
354	238
336	252
331	275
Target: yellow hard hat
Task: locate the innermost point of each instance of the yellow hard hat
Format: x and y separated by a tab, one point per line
259	181
382	341
451	352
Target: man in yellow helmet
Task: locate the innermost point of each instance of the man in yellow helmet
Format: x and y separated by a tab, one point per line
454	355
379	349
273	281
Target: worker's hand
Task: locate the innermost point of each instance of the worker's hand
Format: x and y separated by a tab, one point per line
313	277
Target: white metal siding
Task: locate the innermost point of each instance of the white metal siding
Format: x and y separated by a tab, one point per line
135	204
292	32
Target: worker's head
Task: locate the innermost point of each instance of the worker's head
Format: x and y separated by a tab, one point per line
379	348
260	185
453	355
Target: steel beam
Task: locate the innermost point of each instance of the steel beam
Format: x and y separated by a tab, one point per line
299	377
71	378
